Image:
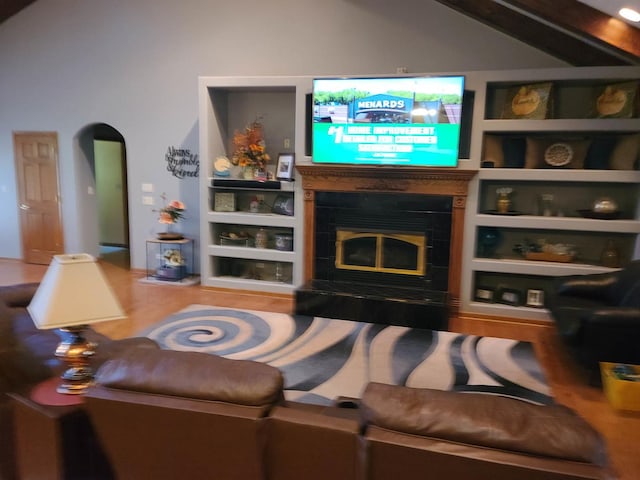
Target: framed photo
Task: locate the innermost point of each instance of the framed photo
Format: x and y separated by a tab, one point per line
283	205
509	296
284	169
535	298
484	294
224	202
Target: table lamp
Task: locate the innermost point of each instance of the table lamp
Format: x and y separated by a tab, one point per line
73	294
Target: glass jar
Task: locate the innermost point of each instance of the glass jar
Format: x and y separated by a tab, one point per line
610	256
262	238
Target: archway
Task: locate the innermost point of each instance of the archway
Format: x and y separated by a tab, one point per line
105	150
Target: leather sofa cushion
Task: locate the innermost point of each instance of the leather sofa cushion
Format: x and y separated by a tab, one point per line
484	420
18	295
193	375
13	299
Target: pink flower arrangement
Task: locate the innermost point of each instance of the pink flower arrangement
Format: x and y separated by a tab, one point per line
171	212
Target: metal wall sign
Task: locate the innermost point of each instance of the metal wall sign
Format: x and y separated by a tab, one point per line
182	163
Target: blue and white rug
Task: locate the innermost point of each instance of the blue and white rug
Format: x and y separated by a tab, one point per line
322	358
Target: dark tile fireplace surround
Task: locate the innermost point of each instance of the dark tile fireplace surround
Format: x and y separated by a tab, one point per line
420	202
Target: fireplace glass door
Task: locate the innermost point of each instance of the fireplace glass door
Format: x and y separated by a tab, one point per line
400	253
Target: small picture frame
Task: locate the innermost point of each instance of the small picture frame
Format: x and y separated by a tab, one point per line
509	296
224	202
283	205
535	298
284	168
484	294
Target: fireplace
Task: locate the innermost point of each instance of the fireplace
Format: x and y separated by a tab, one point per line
383	244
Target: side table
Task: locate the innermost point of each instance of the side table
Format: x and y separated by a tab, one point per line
56	441
170	261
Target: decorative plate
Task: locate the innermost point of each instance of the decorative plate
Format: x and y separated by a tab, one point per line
222	167
558	155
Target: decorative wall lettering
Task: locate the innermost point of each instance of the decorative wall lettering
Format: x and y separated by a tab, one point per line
182	163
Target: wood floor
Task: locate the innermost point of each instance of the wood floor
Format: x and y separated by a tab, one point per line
146	304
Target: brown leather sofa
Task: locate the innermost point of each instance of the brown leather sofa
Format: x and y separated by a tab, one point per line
163	414
27	358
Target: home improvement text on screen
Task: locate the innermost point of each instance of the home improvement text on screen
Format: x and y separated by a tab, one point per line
413	121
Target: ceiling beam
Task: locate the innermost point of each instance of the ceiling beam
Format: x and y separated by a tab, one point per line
585	21
8	8
524	20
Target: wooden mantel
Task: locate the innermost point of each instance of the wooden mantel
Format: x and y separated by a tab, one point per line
451	182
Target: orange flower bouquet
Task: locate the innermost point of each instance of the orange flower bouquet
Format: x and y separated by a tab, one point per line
250	149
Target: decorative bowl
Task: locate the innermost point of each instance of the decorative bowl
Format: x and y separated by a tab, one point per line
604	205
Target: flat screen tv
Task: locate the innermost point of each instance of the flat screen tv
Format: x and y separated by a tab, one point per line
410	121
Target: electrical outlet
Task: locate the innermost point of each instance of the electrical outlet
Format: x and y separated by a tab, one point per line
287	143
146	200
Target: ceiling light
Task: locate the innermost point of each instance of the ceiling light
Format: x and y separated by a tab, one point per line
630	14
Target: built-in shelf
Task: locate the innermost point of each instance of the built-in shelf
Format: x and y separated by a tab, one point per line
572	116
227	105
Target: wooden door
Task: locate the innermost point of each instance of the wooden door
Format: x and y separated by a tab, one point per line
36	159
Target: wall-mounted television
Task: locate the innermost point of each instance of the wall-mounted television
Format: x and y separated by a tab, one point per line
411	121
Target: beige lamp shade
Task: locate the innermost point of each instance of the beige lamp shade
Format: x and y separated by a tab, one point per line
74	291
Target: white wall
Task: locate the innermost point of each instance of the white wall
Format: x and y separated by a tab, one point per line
133	64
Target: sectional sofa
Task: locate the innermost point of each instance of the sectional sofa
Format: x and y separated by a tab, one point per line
169	414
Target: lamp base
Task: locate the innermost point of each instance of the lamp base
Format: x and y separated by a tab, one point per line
76	351
75	380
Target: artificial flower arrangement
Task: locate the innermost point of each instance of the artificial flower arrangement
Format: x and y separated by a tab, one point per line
173	258
172	212
250	149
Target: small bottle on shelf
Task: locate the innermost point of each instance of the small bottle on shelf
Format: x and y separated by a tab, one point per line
610	256
262	238
279	274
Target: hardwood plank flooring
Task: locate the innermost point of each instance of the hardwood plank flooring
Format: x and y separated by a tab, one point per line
146	304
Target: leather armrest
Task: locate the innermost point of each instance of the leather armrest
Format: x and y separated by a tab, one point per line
613	317
19	295
594	286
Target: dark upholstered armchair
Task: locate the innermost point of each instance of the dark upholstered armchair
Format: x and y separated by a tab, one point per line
598	315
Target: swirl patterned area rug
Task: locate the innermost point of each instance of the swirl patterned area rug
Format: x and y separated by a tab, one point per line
322	358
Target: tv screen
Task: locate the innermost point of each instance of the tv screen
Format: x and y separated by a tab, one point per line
412	121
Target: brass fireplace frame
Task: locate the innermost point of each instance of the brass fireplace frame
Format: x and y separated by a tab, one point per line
416	239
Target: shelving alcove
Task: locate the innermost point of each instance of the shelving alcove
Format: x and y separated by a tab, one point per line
229	256
550	205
